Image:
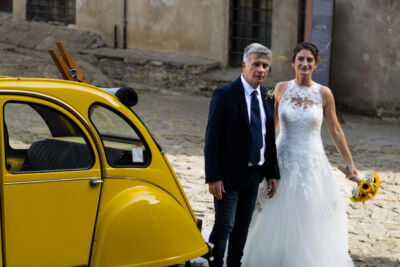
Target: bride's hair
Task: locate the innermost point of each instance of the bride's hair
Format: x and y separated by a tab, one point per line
307	46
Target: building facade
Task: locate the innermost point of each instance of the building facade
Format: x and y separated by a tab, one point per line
364	63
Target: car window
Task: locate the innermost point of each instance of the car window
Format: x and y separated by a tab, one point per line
124	147
39	138
24	125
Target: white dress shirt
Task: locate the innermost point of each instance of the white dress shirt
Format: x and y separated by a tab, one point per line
248	89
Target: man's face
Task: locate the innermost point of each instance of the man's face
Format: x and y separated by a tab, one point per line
256	68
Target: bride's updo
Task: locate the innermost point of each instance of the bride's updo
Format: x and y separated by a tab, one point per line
308	46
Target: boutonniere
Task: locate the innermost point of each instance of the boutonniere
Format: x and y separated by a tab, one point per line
269	93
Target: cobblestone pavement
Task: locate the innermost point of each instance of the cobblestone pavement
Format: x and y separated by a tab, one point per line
178	122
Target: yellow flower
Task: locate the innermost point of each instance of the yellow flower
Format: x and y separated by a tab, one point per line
364	197
365	187
374	191
356	195
377	180
368	187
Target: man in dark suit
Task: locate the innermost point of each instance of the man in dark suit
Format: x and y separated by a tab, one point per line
239	152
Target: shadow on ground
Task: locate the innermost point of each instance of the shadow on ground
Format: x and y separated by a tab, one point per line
360	261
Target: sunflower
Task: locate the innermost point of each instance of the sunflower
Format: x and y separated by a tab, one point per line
374	191
377	180
365	187
355	198
364	197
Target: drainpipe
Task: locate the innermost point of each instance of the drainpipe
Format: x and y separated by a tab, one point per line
125	24
115	36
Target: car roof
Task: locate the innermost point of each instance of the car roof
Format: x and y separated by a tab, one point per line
77	95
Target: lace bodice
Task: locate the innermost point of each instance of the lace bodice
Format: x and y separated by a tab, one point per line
300	114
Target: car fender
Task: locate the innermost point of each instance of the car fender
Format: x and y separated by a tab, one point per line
144	225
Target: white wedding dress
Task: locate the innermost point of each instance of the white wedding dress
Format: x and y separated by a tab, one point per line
304	224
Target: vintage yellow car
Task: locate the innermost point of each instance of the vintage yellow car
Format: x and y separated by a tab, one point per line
83	183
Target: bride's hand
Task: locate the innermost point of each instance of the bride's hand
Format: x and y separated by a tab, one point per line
351	169
352	174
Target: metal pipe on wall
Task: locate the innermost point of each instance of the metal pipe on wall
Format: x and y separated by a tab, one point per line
125	24
115	36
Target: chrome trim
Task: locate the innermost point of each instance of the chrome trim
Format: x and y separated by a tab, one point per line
148	182
94	181
50	181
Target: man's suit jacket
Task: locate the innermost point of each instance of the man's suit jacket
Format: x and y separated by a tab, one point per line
228	139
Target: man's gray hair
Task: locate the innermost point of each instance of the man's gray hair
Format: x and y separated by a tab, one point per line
258	49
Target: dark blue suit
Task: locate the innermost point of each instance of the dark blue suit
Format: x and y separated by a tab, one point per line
228	139
227	154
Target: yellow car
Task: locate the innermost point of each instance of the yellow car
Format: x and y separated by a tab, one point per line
83	183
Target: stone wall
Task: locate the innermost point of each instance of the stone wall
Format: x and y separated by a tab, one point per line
285	16
195	28
19	9
366	62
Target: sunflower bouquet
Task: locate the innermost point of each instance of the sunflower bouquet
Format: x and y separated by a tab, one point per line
367	186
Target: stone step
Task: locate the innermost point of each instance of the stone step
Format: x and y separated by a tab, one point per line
192	65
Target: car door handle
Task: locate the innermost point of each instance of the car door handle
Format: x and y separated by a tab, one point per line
94	182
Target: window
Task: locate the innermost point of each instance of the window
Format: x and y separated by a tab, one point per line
123	145
51	10
6	6
250	21
39	138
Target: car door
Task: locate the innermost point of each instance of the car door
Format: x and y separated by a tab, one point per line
50	178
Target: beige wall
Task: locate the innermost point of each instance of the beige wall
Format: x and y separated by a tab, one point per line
284	36
366	63
190	27
19	9
196	27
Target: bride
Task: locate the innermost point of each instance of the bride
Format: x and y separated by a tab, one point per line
304	225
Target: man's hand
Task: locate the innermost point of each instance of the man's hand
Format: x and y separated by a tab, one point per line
216	189
272	187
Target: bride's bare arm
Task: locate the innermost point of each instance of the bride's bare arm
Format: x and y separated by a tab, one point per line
280	89
335	131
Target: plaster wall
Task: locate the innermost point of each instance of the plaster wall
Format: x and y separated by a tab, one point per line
196	28
285	16
19	9
366	56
